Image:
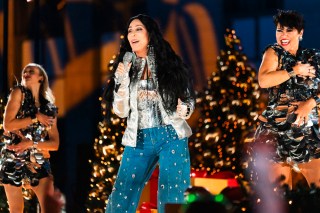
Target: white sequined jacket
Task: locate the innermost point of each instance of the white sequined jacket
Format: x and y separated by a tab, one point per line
125	105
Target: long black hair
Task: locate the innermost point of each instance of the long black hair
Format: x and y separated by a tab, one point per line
174	76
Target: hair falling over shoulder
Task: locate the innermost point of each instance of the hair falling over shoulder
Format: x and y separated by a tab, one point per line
174	76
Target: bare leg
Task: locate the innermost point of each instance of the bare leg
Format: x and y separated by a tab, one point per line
311	171
278	169
15	198
43	190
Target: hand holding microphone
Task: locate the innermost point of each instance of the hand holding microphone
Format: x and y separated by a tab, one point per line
182	109
123	68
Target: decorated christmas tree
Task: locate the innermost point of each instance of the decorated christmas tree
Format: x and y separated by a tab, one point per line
107	155
229	108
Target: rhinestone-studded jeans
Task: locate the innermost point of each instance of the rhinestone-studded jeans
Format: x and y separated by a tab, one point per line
154	145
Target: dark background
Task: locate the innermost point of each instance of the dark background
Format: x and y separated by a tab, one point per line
93	25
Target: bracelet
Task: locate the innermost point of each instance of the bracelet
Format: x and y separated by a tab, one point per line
317	99
35	144
291	73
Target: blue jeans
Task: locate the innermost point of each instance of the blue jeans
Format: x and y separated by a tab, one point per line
154	145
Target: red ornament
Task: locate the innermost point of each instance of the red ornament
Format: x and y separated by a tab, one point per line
146	207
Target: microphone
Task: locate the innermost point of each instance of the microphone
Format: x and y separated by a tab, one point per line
127	58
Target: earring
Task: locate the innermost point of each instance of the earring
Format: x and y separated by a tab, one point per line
300	38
